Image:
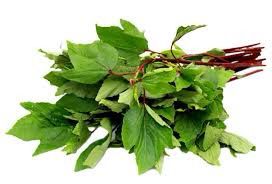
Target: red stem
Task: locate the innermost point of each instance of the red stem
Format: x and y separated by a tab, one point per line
235	48
245	75
237	59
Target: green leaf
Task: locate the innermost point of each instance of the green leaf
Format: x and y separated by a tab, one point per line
155	116
193	99
48	111
137	91
175	142
72	102
192	72
159	164
129	42
164	102
211	136
91	61
98	151
168	113
53	138
188	125
237	143
216	52
55	79
181	83
62	61
211	155
113	105
95	151
126	97
81	133
83	156
223	76
157	81
45	123
177	52
77	116
215	110
112	86
217	76
182	30
78	89
148	138
131	29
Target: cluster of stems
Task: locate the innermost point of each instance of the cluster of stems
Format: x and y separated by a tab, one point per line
236	59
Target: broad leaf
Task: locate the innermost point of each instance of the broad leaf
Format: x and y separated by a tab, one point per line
95	151
113	105
78	89
83	156
126	97
181	83
237	143
182	30
155	116
129	42
168	113
211	136
131	29
55	79
157	81
188	125
165	102
45	123
148	138
81	133
91	62
72	101
62	61
194	99
111	86
211	155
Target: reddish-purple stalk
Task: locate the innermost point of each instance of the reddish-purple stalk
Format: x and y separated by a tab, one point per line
237	59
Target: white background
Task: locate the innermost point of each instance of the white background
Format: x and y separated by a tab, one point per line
28	25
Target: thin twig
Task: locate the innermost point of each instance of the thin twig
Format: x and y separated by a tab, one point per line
245	75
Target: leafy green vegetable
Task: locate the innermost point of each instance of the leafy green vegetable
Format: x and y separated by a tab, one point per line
188	125
182	30
212	134
126	97
82	134
146	101
237	143
147	137
71	102
157	81
113	105
129	41
111	86
211	155
78	89
45	123
91	62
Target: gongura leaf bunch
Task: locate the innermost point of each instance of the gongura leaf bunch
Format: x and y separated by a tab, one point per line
146	101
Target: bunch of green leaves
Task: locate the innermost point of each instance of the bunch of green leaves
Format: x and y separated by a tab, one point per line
145	107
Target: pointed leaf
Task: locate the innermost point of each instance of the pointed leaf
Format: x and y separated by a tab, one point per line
91	61
72	102
237	143
112	86
182	30
155	116
148	138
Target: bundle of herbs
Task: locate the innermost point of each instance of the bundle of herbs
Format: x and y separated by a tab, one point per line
147	101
